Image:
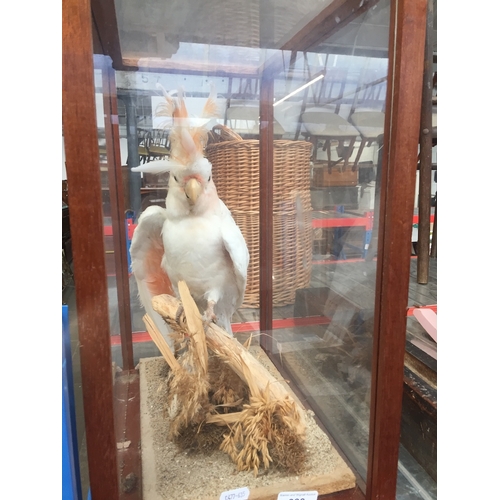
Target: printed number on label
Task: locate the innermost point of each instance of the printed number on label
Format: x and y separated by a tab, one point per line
238	494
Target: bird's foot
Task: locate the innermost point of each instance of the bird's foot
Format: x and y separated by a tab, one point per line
179	313
209	315
180	319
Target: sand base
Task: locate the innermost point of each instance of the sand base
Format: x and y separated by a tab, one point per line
171	474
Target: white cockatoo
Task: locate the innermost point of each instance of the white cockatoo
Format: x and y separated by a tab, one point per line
195	238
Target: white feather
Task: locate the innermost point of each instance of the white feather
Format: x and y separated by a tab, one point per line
157	167
146	235
200	241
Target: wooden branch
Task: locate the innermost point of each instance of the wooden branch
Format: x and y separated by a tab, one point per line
161	344
258	379
195	326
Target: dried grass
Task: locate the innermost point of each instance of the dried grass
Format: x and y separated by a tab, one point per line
200	438
217	398
187	395
228	390
266	433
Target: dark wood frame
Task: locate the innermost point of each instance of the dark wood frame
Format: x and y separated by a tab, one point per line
117	205
404	90
84	190
333	17
425	156
266	176
407	34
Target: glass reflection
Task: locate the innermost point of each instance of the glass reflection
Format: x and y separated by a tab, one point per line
328	106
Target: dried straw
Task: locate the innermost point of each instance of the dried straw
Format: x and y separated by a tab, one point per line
228	388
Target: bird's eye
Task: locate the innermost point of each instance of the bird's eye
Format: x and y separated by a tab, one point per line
175	178
209	178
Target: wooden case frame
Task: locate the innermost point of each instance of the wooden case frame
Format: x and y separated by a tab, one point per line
87	23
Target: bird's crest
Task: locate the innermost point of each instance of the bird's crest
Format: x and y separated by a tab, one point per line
188	136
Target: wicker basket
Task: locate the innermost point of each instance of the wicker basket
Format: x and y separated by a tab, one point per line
236	174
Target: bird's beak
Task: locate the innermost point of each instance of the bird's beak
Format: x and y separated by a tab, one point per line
193	189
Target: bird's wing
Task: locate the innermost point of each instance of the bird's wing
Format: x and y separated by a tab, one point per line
235	244
146	252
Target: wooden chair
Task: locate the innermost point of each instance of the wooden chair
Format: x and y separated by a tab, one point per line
244	120
157	144
142	145
322	124
368	106
371	128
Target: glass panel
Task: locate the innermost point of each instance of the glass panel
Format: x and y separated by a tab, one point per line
329	92
328	120
324	324
104	166
117	181
156	28
71	341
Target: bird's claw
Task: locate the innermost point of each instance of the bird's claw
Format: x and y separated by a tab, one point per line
178	314
208	319
209	315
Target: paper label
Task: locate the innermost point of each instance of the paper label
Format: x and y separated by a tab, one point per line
298	495
238	494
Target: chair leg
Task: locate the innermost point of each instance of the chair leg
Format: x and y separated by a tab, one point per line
360	150
328	146
349	152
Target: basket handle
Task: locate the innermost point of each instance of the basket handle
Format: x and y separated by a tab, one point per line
225	133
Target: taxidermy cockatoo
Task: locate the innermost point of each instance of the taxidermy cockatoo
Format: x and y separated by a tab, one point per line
195	238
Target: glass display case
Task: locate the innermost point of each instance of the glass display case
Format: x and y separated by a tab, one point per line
312	140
